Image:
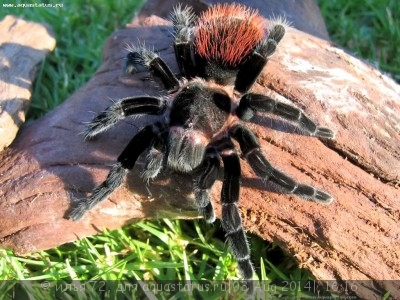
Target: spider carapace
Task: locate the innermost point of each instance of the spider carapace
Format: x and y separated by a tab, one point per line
220	55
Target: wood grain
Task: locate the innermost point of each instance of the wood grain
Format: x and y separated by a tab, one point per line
23	45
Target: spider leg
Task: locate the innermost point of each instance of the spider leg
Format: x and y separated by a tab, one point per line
204	180
231	220
251	102
252	67
154	164
158	69
183	22
121	109
155	159
139	143
251	151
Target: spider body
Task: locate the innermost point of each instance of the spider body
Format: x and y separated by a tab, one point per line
220	55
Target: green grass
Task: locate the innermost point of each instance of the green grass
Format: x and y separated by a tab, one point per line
151	250
81	28
162	249
370	29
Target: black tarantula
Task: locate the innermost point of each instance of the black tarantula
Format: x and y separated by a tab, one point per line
220	56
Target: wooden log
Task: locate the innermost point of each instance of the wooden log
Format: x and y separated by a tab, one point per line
23	46
355	238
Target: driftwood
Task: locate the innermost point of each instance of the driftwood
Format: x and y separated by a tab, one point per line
355	238
23	45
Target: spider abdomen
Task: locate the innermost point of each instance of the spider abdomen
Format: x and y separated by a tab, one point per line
228	33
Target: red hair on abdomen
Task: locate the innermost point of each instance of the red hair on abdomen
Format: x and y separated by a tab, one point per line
227	33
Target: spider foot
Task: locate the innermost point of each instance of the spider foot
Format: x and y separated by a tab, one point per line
277	28
78	211
276	32
266	47
182	16
309	192
208	213
323	132
322	197
103	121
206	208
141	57
132	64
154	164
114	179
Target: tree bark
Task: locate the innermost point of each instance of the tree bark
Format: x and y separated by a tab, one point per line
23	46
355	238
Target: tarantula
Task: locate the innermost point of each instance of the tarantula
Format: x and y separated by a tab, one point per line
220	55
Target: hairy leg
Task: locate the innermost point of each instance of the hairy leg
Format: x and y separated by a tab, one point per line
156	157
231	220
183	21
251	151
251	103
126	161
205	177
122	109
252	67
158	69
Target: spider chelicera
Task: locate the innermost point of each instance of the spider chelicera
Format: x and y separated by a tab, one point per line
220	55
